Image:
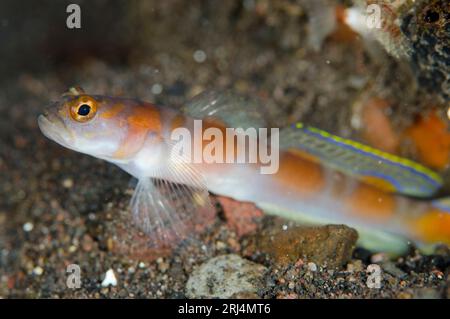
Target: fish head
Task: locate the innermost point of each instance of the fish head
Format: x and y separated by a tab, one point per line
90	124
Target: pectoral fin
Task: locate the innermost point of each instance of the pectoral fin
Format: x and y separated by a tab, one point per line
170	211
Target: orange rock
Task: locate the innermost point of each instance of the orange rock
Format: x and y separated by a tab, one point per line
431	140
330	245
242	217
376	126
124	238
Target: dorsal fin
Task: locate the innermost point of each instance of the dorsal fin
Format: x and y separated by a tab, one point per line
232	109
375	167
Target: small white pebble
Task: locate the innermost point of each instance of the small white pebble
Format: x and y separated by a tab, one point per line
67	183
378	258
312	267
199	56
285	227
141	265
157	88
38	271
110	279
131	270
72	248
28	227
220	245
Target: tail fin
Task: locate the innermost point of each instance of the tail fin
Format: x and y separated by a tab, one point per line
386	171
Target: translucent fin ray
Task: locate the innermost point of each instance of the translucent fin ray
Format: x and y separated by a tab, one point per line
233	110
174	207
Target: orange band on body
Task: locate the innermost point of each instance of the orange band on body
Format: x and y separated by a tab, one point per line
300	175
177	122
146	116
306	177
368	201
113	111
141	121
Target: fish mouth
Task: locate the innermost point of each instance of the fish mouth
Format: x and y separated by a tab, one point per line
55	129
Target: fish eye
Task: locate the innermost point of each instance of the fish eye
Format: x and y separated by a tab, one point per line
83	109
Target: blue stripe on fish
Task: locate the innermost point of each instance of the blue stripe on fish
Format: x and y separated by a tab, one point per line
386	177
